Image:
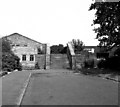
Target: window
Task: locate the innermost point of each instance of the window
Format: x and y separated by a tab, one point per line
23	57
31	57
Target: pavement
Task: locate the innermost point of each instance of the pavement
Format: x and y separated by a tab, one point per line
63	87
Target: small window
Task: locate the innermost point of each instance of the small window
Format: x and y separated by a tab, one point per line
31	57
23	57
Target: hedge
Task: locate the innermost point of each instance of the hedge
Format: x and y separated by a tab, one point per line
110	63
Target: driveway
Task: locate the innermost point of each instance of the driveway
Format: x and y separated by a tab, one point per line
63	87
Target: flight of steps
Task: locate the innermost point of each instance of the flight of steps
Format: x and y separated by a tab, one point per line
59	61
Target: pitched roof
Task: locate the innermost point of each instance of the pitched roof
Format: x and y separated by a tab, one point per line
22	36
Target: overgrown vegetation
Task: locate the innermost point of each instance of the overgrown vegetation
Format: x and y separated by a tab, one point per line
108	31
89	63
10	61
112	63
108	19
58	49
78	45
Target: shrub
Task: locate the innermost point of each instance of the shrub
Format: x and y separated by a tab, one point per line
18	66
110	63
113	63
64	50
102	64
89	63
10	62
56	49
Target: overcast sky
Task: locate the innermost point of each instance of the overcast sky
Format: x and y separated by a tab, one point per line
48	21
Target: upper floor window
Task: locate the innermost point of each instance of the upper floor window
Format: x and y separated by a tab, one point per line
23	57
31	57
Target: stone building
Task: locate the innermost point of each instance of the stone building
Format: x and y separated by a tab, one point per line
28	50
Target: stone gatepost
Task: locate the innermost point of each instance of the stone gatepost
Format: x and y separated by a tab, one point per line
47	56
73	62
71	56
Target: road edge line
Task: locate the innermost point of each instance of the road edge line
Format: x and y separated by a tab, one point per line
20	98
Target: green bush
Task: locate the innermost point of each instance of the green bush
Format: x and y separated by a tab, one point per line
10	62
113	63
89	63
102	64
110	63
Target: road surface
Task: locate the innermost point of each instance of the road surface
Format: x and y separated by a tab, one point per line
62	87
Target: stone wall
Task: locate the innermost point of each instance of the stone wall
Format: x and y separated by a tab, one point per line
19	40
22	45
40	59
79	61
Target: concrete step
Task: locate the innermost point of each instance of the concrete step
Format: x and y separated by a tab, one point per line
59	61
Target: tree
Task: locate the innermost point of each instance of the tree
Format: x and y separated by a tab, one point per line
64	50
78	45
5	45
108	18
56	49
9	60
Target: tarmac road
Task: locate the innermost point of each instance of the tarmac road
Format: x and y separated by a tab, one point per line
62	87
11	86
